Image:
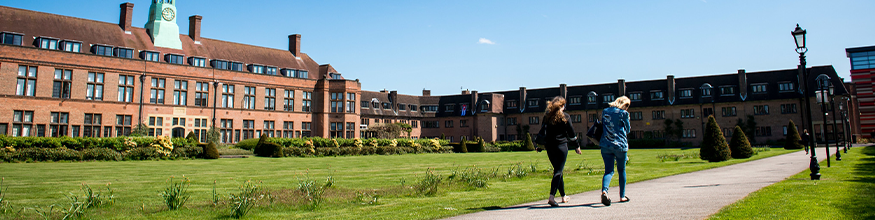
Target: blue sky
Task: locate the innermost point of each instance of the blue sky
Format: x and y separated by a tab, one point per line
447	46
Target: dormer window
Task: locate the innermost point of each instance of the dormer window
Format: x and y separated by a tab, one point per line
197	61
149	55
270	70
287	72
656	95
11	38
607	98
174	58
727	90
256	68
71	46
635	96
236	66
47	43
302	74
758	88
219	64
686	93
124	52
334	76
101	50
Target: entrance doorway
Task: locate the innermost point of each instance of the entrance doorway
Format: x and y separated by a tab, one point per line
178	132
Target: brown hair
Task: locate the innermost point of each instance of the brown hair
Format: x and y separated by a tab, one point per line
555	114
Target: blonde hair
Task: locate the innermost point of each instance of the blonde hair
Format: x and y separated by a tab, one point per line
622	103
555	113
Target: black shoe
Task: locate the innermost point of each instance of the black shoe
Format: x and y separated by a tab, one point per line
605	200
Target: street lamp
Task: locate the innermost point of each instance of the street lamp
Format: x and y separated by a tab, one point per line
835	125
845	123
822	87
799	37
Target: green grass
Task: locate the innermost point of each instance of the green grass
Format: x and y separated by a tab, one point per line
137	184
846	191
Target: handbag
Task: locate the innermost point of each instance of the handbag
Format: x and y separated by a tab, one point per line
594	134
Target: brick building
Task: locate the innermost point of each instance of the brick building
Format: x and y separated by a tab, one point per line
862	72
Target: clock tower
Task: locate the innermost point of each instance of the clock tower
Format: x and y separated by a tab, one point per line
162	24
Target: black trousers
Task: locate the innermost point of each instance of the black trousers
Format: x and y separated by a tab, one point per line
557	154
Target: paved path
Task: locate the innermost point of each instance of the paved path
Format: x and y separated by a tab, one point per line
695	195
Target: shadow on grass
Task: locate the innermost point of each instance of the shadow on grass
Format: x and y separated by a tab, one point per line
860	205
538	206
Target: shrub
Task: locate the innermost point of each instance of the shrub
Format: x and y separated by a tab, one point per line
191	137
714	147
142	153
176	193
463	146
529	145
793	138
739	146
429	184
210	151
481	145
187	151
247	144
101	154
268	149
244	201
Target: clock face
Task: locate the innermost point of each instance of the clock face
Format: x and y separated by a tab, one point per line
168	14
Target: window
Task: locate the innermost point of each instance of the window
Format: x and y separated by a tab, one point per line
156	94
859	60
729	111
727	90
336	130
607	98
788	108
593	117
200	131
534	120
248	99
689	133
270	70
179	122
289	101
101	50
706	92
61	86
758	88
227	130
635	96
125	88
686	93
94	89
707	112
350	103
180	92
71	46
236	66
305	103
636	134
269	99
22	123
575	100
248	129
155	124
124	52
430	124
219	64
305	129
92	125
511	121
122	125
763	131
412	108
256	68
660	114
58	126
785	87
636	116
760	109
3	127
335	76
288	129
510	104
532	103
197	61
429	108
364	105
656	95
576	118
414	124
301	74
48	43
688	113
26	85
174	58
336	102
591	98
727	132
149	56
227	96
11	38
449	107
202	93
350	130
448	123
268	128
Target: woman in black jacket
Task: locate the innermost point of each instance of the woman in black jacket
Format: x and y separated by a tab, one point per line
559	133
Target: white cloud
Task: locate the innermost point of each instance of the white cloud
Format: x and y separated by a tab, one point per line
485	41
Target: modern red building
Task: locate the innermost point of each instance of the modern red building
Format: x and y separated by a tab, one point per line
862	73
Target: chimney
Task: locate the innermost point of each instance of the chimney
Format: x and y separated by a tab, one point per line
522	101
563	90
473	106
426	92
295	45
393	99
465	92
670	93
194	28
742	84
124	20
621	84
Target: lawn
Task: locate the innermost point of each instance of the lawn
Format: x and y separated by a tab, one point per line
136	184
846	191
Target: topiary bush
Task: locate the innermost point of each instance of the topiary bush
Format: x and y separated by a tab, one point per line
268	149
191	137
463	146
247	144
714	147
529	145
739	146
481	145
210	151
793	138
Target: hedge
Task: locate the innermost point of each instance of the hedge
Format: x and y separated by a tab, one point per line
30	149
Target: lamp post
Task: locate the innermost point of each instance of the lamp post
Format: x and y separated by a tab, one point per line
835	125
846	125
799	37
822	87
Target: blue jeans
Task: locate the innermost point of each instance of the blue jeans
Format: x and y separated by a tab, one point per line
610	155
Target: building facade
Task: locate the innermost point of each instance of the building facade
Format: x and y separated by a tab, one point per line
862	72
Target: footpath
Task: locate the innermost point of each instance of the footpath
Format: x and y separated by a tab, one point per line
695	195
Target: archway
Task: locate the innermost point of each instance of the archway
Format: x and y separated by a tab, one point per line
178	132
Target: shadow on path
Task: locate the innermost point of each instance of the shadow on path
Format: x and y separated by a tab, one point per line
539	206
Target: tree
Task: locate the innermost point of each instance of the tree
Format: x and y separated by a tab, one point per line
739	147
140	130
463	147
750	128
210	151
668	129
792	139
482	144
714	147
443	137
529	145
405	127
213	135
678	129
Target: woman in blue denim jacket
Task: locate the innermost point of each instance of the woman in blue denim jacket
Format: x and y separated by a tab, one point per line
614	145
